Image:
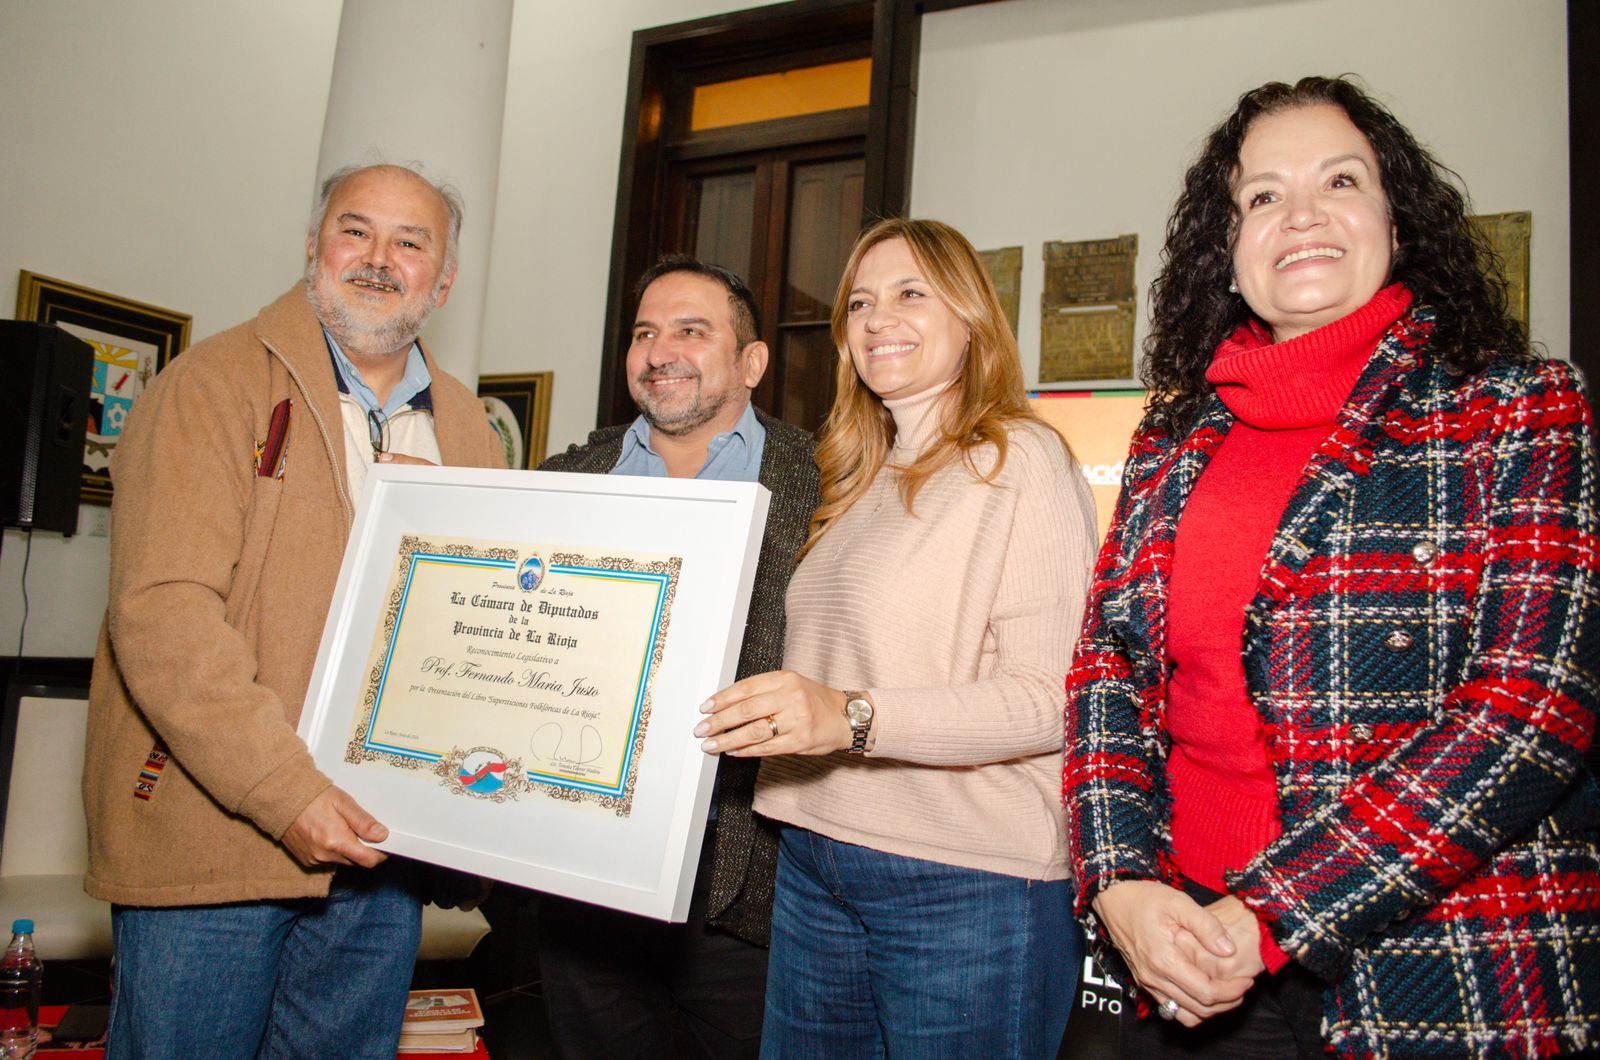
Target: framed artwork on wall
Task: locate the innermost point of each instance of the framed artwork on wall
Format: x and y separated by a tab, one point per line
518	407
132	342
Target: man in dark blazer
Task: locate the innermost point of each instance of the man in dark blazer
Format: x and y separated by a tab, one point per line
611	980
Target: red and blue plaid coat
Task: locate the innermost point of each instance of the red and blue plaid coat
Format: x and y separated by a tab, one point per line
1424	651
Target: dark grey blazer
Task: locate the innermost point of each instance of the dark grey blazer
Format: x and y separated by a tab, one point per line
745	858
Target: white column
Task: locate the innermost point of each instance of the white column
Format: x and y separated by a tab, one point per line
425	81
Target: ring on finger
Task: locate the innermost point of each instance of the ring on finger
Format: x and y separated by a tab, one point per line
1168	1009
772	723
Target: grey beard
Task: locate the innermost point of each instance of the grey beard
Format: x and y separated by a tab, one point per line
687	421
395	333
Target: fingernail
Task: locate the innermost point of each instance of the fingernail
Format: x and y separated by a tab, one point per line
384	458
705	708
703	728
709	747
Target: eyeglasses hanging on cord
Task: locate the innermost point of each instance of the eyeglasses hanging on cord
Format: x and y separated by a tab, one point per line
378	429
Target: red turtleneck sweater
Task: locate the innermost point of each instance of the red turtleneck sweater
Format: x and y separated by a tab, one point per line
1284	398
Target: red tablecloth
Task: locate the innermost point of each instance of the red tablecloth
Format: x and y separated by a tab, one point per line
50	1015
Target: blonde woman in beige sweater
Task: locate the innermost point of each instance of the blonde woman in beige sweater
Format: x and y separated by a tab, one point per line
912	744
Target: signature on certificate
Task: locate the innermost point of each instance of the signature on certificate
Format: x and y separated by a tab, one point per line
552	743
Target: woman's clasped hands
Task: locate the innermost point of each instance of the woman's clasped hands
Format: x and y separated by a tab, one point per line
1201	958
777	713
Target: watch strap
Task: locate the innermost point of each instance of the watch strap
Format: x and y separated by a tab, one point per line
858	731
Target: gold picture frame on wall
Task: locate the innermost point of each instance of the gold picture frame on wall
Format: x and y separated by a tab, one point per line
518	407
132	342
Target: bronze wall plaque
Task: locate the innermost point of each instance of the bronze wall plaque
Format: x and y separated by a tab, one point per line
1090	271
1077	345
1510	234
1005	272
1087	310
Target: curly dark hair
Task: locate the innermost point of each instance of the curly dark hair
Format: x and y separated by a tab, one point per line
1440	256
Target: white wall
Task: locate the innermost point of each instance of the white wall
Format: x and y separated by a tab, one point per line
566	92
1042	120
164	151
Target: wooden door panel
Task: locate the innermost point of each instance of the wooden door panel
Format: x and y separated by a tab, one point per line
807	364
724	207
824	217
784	219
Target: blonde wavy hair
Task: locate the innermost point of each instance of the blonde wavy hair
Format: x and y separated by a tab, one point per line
856	438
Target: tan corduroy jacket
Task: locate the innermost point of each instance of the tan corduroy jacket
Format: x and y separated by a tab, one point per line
222	571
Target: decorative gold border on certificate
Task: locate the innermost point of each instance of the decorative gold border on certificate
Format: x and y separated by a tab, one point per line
356	751
672	567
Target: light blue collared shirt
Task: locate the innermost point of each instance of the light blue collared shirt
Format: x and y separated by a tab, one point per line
732	456
415	381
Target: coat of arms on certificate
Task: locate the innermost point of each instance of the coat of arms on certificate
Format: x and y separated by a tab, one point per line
500	670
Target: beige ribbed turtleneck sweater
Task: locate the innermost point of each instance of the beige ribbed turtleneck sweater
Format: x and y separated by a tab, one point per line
959	621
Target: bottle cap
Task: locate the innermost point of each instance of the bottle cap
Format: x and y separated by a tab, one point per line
22	927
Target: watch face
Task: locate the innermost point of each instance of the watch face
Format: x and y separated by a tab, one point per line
859	711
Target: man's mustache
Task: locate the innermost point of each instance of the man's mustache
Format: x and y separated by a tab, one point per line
650	375
371	275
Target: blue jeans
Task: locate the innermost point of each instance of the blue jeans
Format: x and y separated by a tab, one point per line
874	954
308	977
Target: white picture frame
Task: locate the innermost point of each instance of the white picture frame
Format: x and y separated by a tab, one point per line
642	861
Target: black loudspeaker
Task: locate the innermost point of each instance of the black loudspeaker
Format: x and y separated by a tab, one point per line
45	379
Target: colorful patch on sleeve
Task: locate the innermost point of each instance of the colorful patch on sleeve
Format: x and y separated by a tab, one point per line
145	786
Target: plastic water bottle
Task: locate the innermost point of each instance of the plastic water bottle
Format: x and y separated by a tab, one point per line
21	973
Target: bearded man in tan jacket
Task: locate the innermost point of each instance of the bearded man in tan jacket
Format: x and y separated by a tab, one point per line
249	913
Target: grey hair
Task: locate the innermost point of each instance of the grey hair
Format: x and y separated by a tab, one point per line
447	194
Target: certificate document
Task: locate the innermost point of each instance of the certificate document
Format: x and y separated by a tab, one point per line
512	667
502	669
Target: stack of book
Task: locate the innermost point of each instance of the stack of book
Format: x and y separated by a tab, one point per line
441	1021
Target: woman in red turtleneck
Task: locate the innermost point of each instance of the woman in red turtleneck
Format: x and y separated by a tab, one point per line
1284	397
1327	715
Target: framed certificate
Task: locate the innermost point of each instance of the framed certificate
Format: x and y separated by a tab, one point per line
514	661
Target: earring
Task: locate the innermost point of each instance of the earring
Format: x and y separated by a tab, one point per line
1233	287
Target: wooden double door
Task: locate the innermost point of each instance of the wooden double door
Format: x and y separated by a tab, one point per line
784	219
